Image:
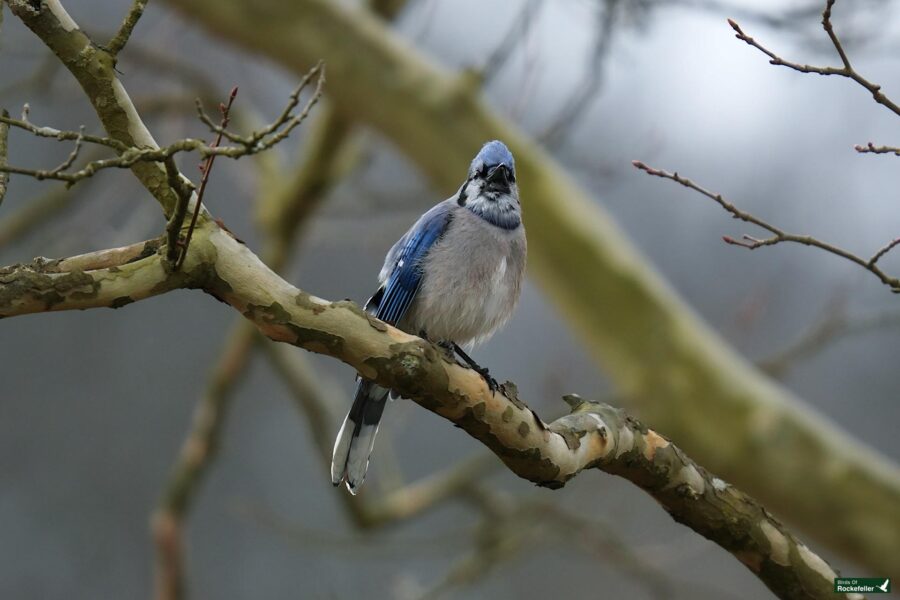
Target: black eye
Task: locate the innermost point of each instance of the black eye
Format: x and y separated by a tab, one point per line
512	177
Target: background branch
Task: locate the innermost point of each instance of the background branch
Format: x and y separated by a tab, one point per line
679	376
835	325
87	281
4	150
593	436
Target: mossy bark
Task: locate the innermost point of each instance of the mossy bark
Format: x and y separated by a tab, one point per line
668	364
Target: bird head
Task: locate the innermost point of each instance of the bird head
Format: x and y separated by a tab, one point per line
494	168
490	189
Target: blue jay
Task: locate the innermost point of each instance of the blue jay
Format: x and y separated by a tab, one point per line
453	278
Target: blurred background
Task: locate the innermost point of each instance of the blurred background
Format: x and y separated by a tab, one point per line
94	405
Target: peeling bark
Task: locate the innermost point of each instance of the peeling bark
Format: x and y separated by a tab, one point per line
679	372
664	361
592	436
108	278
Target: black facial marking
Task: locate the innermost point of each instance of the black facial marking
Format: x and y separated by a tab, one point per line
461	199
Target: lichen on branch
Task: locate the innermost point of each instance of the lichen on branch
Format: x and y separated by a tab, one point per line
683	377
592	436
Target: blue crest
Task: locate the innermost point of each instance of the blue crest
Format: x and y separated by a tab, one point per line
494	153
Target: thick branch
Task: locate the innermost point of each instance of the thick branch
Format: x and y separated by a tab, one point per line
664	361
94	68
593	436
108	278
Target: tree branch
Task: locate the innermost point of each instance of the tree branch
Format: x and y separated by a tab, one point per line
107	278
253	143
184	190
778	235
871	148
683	377
282	212
206	169
94	69
698	371
846	70
593	436
314	398
60	135
117	43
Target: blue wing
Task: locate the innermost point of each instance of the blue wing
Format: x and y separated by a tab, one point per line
404	275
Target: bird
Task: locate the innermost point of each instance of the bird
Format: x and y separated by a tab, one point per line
454	278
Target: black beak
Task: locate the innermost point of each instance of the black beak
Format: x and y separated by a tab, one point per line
499	175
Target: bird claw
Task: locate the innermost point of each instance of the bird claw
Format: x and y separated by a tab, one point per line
465	360
490	381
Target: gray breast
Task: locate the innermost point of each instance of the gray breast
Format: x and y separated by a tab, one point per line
472	281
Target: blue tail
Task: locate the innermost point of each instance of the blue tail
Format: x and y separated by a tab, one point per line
356	438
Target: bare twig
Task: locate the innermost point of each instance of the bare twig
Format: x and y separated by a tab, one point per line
845	70
205	169
253	143
183	190
281	127
778	236
883	250
73	155
871	148
132	156
60	135
118	41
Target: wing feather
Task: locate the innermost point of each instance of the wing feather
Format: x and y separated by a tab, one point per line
403	267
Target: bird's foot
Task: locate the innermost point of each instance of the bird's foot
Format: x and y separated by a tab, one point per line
486	375
483	371
448	348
